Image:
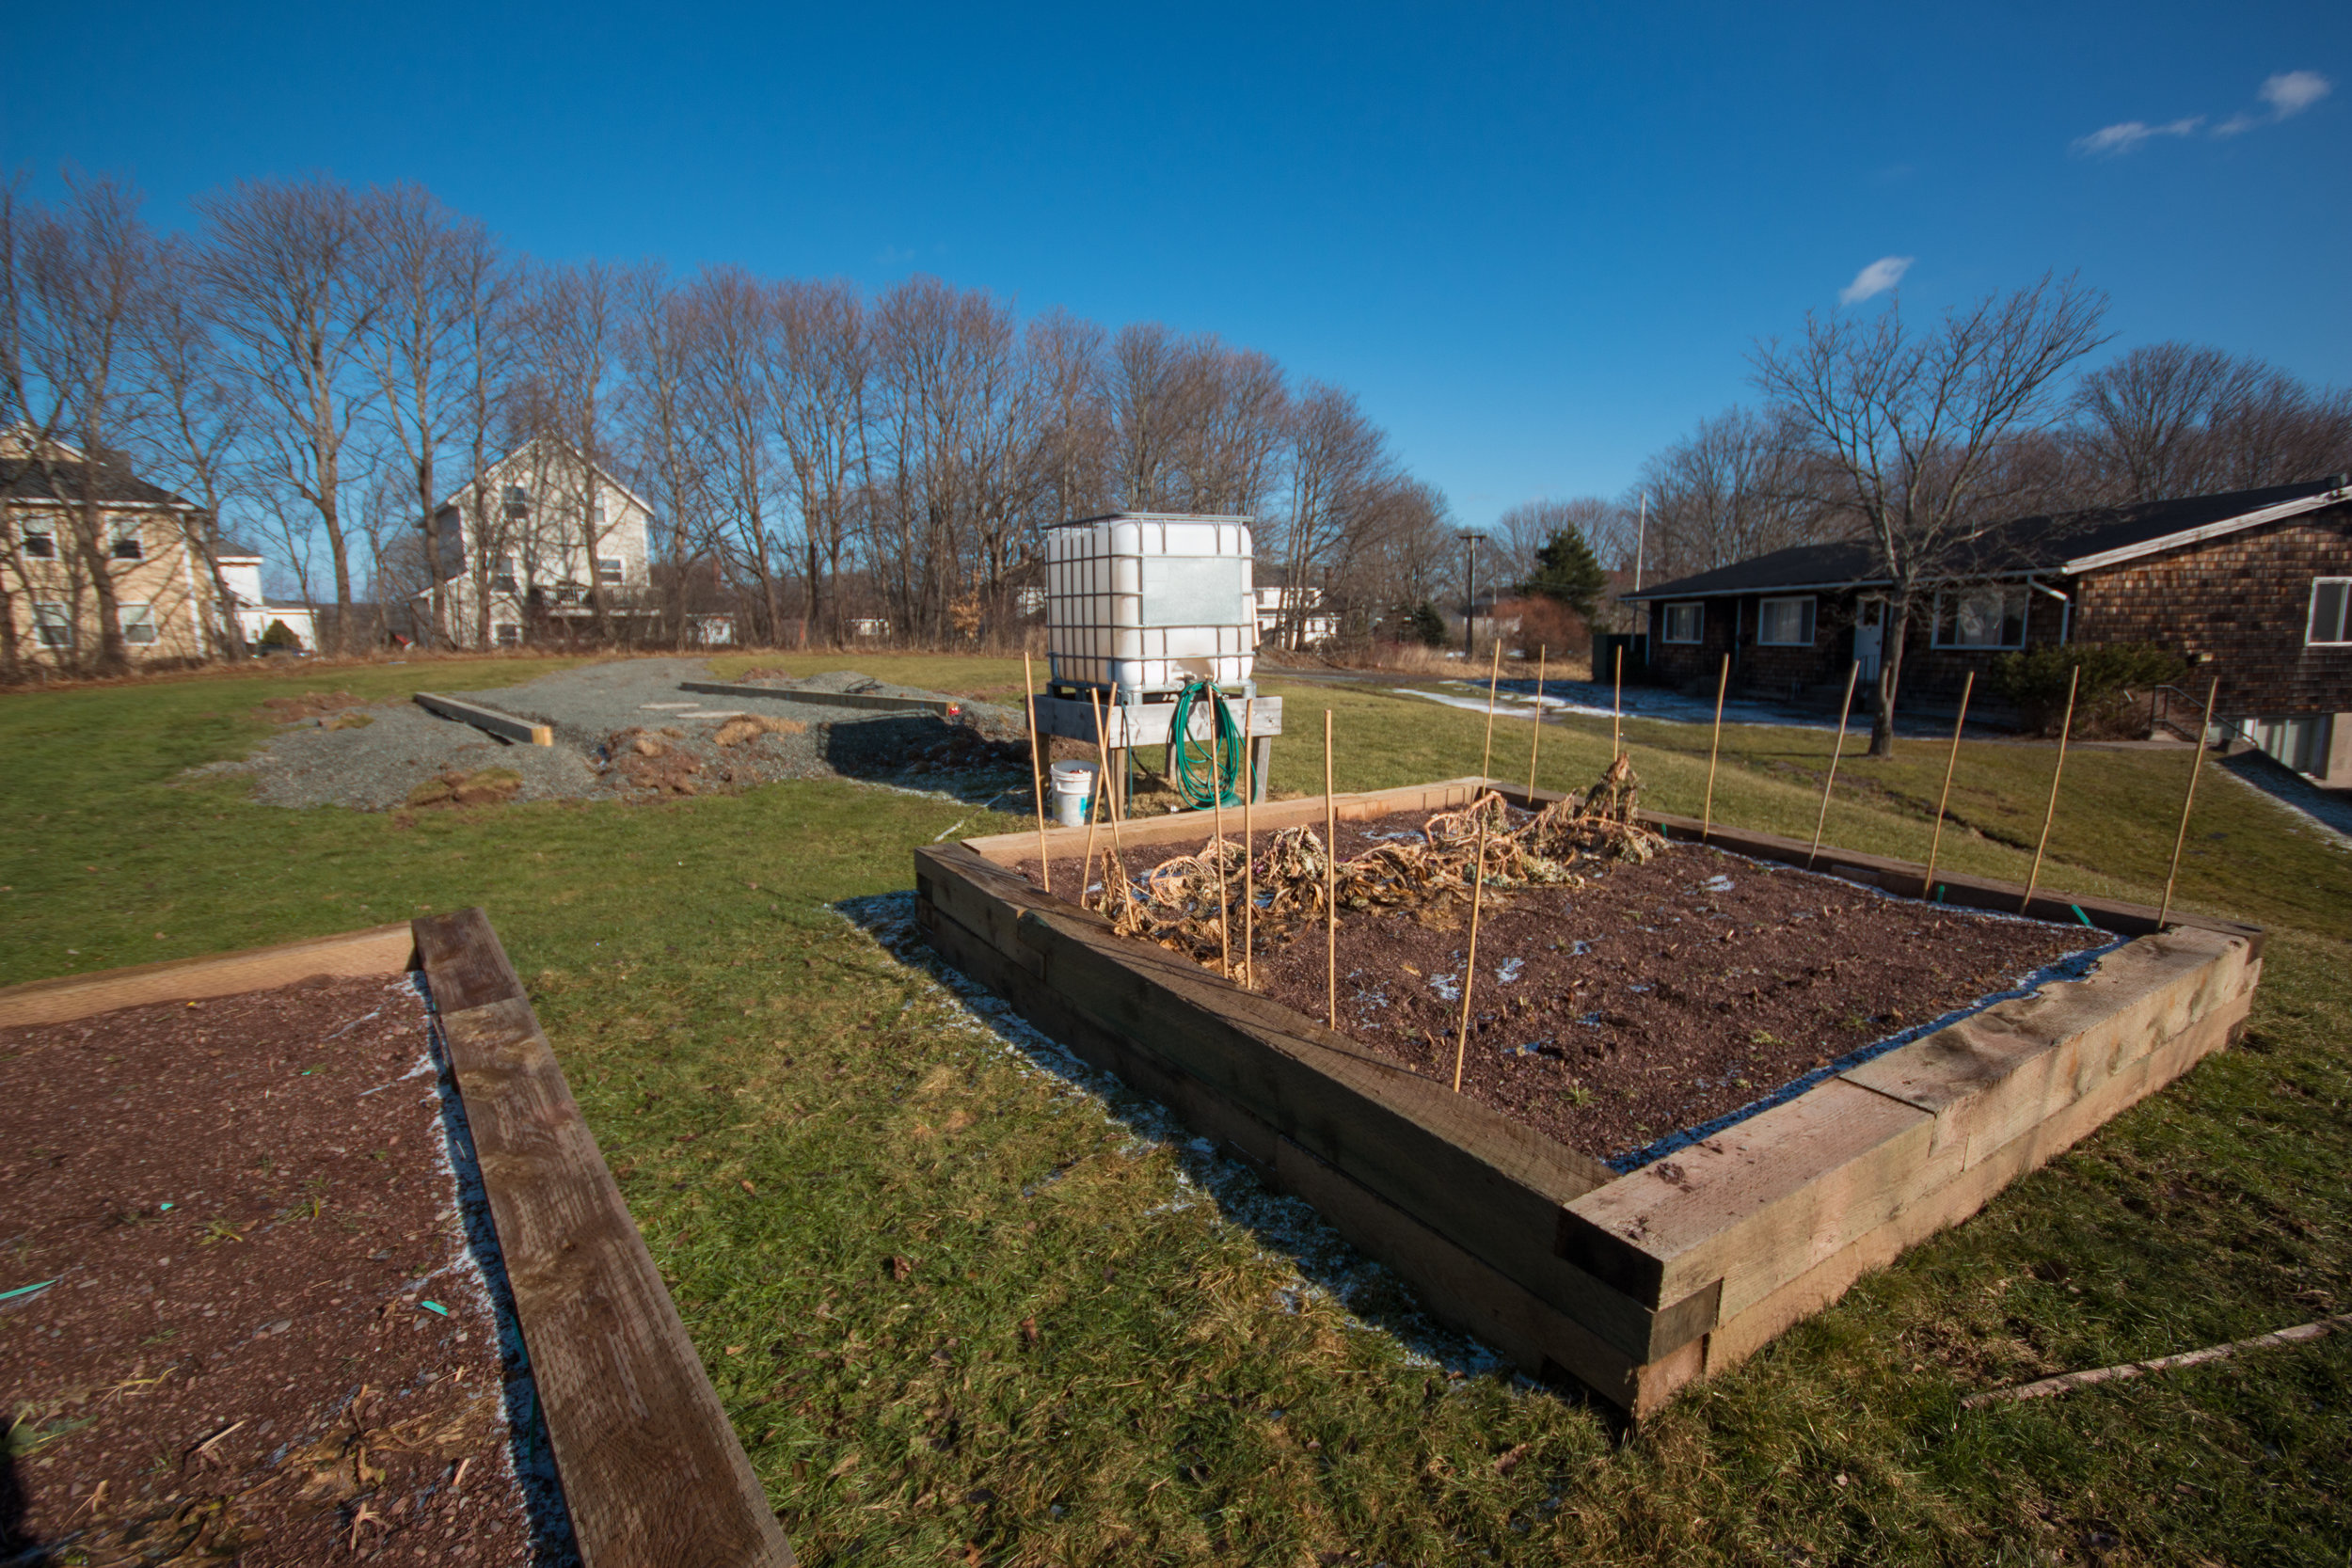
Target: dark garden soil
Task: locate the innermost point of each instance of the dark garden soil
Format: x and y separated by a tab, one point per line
1650	999
263	1341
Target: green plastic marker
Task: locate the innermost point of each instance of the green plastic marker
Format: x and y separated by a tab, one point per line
434	1307
27	1290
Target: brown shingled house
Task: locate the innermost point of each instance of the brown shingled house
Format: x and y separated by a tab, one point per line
2255	586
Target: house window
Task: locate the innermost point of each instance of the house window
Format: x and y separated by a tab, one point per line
54	624
509	635
128	546
1993	616
609	568
567	596
1784	623
2331	610
1684	622
517	500
40	540
503	580
138	622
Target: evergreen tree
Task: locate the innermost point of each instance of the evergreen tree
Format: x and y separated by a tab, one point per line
1568	572
1428	626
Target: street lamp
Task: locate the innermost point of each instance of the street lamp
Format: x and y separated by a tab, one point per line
1470	539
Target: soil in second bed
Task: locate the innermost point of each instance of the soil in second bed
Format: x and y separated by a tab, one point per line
1654	997
244	1206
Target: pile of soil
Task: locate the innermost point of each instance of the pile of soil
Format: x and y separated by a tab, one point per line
1644	999
264	1335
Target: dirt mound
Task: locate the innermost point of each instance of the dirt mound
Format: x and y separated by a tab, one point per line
752	726
485	786
325	708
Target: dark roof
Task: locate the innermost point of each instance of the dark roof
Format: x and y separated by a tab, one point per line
2010	549
25	480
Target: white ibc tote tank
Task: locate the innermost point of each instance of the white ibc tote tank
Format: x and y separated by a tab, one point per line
1143	603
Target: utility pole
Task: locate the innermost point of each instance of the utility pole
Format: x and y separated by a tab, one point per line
1470	539
1641	541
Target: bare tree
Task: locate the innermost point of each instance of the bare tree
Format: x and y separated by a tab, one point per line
818	395
1736	487
76	285
198	415
1336	459
289	287
2172	420
427	266
571	332
737	331
1909	428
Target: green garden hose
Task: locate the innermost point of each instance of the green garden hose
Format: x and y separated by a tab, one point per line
1189	764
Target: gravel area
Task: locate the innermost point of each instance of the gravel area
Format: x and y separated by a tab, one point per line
626	730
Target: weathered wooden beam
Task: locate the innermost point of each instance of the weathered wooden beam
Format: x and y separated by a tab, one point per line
488	719
865	701
653	1475
380	950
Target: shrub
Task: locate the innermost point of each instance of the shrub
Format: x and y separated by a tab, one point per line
281	635
1429	626
2114	676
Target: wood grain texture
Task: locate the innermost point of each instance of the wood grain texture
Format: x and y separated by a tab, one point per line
1181	827
652	1472
380	950
861	702
1744	1332
1607	1350
487	719
1210	1052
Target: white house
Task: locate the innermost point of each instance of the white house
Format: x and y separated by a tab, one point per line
553	534
241	574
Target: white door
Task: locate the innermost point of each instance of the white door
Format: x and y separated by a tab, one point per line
1870	636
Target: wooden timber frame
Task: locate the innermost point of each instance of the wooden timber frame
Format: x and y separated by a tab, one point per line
652	1472
489	721
1633	1285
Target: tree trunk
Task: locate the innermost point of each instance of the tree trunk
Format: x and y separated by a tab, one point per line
1896	632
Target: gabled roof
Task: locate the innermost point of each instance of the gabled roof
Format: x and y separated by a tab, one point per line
449	503
2065	544
60	480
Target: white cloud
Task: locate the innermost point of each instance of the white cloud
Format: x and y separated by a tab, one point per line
2115	140
1876	278
2283	96
2290	92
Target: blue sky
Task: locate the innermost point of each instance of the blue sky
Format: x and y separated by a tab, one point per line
1537	240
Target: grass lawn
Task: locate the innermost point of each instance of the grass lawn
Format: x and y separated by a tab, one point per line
1106	1347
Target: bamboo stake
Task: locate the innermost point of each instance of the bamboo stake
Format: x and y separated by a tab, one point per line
1330	885
1494	673
1086	861
1098	807
1935	844
1836	752
1217	811
1714	749
2050	813
1536	742
1037	777
1470	966
1118	849
2196	765
1249	847
1616	709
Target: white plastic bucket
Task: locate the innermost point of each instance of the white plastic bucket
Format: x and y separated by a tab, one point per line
1073	791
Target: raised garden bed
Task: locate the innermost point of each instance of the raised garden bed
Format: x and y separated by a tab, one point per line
326	1264
1633	1282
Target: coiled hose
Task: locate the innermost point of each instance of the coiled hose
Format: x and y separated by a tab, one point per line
1189	763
